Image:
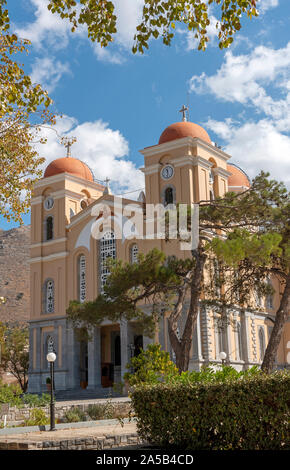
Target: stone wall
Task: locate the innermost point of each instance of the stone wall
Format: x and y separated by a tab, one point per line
17	416
110	441
15	274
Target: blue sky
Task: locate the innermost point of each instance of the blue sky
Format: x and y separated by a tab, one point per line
116	103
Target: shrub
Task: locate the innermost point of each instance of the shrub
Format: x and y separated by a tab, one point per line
105	411
74	415
246	413
35	400
211	375
37	418
150	366
11	394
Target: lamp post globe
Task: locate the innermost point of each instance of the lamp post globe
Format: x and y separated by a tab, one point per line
51	357
222	357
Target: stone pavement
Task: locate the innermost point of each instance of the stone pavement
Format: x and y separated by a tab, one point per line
107	436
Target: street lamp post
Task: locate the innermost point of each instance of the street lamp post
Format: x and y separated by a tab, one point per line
223	357
51	357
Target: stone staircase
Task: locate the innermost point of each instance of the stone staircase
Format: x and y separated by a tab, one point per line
84	394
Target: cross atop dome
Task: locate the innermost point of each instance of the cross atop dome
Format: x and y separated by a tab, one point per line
183	111
68	142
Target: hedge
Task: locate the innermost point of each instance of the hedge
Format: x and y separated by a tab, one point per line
252	413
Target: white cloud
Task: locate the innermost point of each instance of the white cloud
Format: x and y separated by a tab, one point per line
264	5
245	78
105	54
103	149
129	14
256	146
260	80
47	72
47	28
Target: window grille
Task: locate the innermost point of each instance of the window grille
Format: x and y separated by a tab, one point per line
134	253
49	297
82	278
107	250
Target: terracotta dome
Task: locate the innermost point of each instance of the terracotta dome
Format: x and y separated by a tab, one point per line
238	177
178	130
69	165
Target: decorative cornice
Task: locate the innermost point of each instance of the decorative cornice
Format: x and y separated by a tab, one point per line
66	193
149	170
185	141
191	160
177	162
42	259
36	200
221	172
61	176
50	242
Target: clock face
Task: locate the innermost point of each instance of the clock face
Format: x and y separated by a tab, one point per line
48	203
167	172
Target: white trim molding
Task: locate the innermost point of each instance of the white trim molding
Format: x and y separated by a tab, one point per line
50	242
41	259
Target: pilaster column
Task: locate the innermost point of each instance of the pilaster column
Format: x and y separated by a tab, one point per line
73	364
245	337
31	349
94	360
38	348
229	342
124	346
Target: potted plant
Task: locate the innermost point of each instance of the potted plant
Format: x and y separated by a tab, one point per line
48	384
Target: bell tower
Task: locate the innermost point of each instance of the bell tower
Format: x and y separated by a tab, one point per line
185	166
66	188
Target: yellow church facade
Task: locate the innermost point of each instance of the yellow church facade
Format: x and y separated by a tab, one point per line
68	262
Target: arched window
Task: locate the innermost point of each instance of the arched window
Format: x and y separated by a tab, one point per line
240	341
49	228
134	253
168	196
107	250
262	342
221	340
49	296
50	344
82	278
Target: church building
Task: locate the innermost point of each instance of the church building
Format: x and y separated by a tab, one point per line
68	263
